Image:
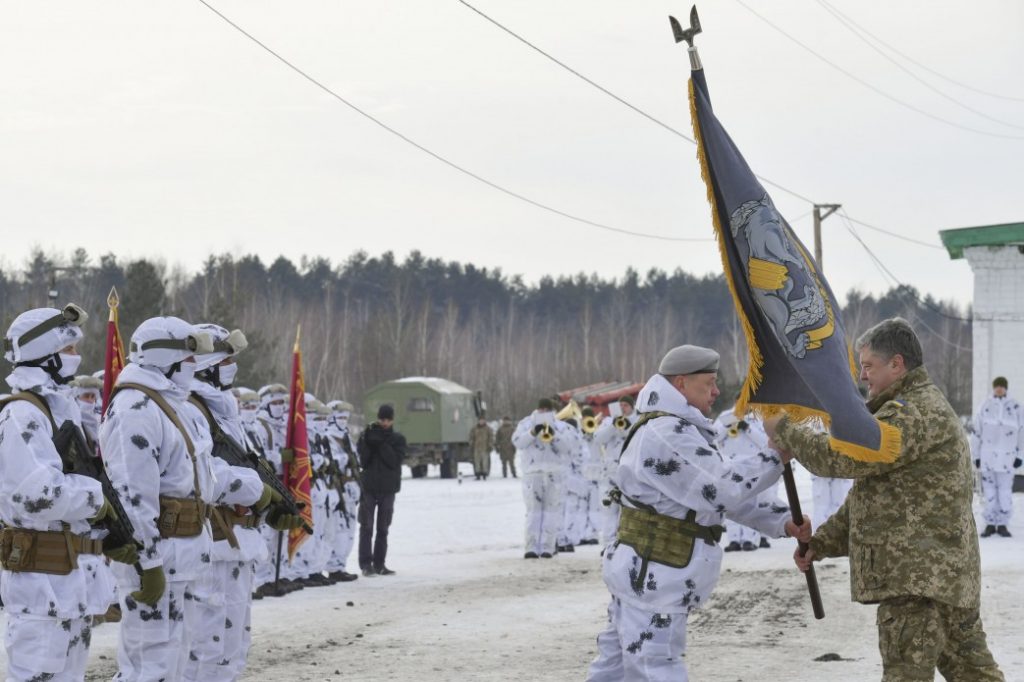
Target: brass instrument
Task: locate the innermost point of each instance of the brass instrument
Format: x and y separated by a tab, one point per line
546	433
570	411
621	423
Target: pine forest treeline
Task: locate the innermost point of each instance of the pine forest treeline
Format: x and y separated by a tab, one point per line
371	319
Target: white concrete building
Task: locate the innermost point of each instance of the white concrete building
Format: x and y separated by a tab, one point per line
996	256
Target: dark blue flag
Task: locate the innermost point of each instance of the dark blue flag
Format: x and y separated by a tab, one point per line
800	361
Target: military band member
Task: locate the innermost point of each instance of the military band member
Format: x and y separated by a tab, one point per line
544	455
610	435
907	526
675	489
574	511
997	444
738	438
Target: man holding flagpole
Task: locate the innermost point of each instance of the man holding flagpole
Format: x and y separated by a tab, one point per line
907	526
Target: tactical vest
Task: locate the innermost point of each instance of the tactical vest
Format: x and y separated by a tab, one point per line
656	537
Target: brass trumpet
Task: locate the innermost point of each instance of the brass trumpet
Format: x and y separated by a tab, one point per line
590	424
621	423
546	433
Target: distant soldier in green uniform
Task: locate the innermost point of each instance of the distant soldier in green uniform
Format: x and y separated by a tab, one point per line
481	442
505	447
907	526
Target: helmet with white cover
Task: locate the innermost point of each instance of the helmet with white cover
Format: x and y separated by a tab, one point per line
37	337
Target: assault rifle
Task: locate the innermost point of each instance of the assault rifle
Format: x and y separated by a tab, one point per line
77	458
231	452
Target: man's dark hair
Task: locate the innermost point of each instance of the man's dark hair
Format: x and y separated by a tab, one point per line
894	337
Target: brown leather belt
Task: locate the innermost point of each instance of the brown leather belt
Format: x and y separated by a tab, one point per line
182	517
44	551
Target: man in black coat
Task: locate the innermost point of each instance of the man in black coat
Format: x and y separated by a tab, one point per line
381	451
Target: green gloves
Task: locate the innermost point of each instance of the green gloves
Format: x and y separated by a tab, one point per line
106	512
287	455
125	554
153	586
268	497
278	518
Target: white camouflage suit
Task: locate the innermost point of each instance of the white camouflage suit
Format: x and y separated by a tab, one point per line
269	430
574	511
593	472
345	520
672	465
312	555
221	637
543	466
998	441
145	457
48	616
744	438
610	438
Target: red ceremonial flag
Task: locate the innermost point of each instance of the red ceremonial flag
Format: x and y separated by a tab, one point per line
115	349
298	473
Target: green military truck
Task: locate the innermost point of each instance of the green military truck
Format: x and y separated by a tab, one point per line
435	416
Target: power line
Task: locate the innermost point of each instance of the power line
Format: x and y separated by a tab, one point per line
888	273
617	98
849	25
871	86
929	69
438	156
661	123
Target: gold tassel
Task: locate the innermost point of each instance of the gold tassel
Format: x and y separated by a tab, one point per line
754	375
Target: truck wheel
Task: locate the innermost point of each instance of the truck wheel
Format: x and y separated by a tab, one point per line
419	471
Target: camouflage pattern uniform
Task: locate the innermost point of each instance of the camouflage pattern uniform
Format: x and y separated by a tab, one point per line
481	442
910	534
506	449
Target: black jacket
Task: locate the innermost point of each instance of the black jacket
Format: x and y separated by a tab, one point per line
381	452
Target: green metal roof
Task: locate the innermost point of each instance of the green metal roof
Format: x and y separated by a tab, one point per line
957	240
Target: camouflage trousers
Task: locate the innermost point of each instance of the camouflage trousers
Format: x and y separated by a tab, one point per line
997	489
917	635
43	648
640	645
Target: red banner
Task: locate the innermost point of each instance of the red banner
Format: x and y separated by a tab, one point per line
298	474
115	349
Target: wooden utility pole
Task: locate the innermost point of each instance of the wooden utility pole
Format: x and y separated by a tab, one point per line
828	209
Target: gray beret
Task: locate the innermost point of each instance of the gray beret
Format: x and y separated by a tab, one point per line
688	360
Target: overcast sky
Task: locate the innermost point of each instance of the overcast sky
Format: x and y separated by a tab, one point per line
155	129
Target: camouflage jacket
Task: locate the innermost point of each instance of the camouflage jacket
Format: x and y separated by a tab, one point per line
503	440
481	440
907	526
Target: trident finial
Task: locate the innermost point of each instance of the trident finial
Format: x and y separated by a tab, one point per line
688	35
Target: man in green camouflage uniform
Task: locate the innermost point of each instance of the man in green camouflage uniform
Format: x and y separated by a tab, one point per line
907	526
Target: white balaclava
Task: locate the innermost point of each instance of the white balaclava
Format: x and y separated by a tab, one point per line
86	386
37	337
248	404
268	396
340	412
225	345
165	344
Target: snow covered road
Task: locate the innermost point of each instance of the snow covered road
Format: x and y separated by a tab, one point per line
466	606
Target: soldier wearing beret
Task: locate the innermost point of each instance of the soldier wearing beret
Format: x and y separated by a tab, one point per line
675	490
907	526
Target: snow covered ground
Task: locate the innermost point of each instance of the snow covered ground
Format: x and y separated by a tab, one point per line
466	606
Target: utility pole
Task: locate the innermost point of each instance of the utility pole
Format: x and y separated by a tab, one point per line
828	209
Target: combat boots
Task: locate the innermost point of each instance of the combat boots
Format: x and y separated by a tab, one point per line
1003	532
989	531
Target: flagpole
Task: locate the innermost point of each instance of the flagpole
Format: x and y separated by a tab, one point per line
798	519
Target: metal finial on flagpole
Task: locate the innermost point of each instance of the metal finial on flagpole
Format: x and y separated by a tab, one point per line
113	300
688	34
